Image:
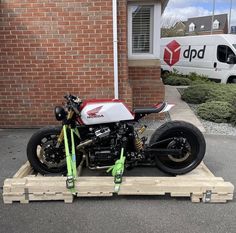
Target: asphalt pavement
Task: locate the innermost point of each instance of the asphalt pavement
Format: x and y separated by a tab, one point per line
119	214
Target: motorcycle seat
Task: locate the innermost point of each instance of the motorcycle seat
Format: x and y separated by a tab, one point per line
148	110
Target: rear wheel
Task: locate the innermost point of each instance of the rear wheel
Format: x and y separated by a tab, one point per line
233	80
184	136
43	155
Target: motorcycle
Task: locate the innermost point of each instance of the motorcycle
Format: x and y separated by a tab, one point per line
103	133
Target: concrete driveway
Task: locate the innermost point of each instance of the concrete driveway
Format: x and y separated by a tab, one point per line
119	214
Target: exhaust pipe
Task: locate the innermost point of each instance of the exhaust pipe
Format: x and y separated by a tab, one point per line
99	168
84	144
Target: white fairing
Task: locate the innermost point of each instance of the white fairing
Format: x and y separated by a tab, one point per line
99	113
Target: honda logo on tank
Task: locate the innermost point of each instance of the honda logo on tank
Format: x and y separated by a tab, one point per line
93	113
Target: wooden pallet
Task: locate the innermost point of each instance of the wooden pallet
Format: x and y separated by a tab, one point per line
199	185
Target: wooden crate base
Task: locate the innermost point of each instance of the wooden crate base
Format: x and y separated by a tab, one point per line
199	185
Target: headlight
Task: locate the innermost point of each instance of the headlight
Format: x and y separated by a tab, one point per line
60	113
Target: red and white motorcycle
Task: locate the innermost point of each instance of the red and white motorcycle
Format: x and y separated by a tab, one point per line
104	128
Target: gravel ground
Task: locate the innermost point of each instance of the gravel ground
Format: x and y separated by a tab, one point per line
210	127
215	128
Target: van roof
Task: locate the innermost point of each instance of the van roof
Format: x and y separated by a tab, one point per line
228	37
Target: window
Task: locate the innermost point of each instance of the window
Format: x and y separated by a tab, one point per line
223	53
216	24
192	27
202	27
233	29
144	30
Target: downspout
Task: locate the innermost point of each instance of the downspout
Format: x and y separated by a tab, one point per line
115	49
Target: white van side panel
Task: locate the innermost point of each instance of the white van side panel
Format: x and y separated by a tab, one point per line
189	61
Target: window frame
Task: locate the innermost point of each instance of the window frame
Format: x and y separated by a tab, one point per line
191	27
151	32
227	48
155	32
216	25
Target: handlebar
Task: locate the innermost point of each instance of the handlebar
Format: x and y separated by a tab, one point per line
70	97
74	102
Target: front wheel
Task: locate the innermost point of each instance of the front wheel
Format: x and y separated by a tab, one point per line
43	154
184	136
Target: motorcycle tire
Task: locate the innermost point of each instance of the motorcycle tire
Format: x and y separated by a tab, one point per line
47	137
194	142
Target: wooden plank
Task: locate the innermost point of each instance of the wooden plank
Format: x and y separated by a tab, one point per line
196	197
25	170
206	170
174	187
201	170
221	198
9	198
44	183
24	187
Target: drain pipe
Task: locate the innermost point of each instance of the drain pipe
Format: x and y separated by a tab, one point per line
115	49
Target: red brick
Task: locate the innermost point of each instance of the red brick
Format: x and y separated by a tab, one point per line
57	47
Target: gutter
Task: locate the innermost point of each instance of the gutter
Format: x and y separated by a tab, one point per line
115	49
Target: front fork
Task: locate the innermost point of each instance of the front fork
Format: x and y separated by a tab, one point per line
60	138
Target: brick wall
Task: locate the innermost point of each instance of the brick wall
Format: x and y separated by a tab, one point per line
148	89
125	89
49	48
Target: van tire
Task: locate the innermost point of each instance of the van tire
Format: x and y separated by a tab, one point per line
164	72
232	79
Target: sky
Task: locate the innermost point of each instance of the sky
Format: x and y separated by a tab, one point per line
183	9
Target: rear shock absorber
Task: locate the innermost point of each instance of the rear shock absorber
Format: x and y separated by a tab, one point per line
138	141
138	144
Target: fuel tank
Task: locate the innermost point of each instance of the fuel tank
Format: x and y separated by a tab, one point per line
104	111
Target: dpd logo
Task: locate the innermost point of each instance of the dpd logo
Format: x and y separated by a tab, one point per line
172	53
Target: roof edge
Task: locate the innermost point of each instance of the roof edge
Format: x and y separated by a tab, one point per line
164	4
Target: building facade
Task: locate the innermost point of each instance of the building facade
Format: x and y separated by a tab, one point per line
205	25
198	26
50	48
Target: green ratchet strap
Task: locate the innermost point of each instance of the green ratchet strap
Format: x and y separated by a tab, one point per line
118	170
70	159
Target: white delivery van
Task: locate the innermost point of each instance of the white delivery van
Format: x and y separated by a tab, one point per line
210	55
